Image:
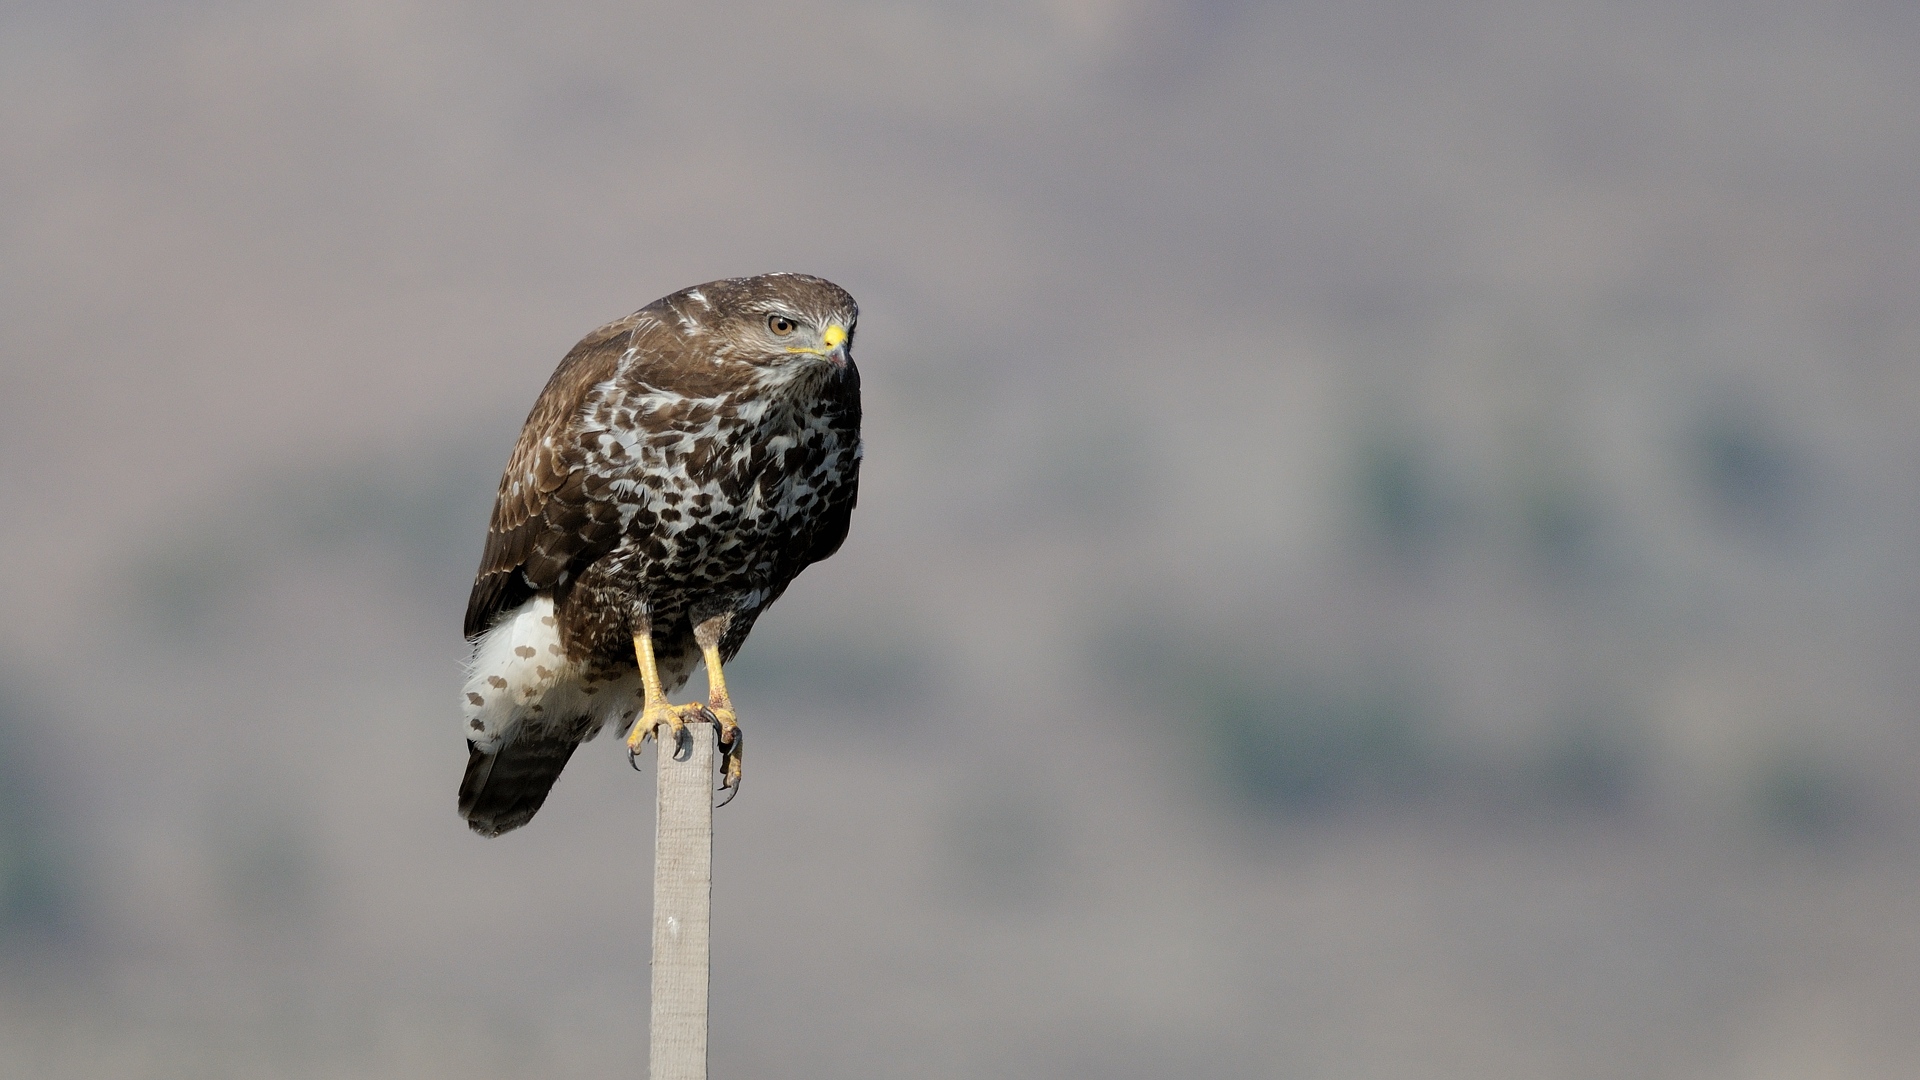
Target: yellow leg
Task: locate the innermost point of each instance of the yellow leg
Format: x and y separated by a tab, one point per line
708	635
656	710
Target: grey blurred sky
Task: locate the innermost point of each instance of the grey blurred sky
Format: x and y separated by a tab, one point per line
1389	544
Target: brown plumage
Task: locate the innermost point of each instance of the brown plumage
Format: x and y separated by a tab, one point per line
682	465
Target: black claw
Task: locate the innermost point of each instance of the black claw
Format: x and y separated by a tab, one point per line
725	751
633	759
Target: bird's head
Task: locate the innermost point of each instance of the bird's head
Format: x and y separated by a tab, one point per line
789	325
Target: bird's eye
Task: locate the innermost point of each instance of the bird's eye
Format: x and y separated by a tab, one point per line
780	325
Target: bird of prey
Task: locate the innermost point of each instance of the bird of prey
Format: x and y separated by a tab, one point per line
682	465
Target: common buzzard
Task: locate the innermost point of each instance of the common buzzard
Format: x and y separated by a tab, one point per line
682	465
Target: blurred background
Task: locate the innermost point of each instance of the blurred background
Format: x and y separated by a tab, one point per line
1390	542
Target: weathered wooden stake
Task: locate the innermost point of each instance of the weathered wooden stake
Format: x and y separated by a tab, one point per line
682	901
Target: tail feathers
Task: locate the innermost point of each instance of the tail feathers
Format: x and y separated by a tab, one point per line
504	789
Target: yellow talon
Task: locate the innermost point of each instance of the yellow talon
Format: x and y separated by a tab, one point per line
719	705
657	714
718	709
656	710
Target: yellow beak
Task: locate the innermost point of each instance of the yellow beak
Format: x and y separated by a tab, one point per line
834	338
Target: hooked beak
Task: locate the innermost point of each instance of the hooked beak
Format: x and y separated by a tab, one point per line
834	340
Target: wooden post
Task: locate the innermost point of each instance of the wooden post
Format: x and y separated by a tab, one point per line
682	900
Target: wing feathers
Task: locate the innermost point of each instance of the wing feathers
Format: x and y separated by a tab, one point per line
535	534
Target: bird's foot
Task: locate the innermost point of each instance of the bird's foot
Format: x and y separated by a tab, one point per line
658	714
729	745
